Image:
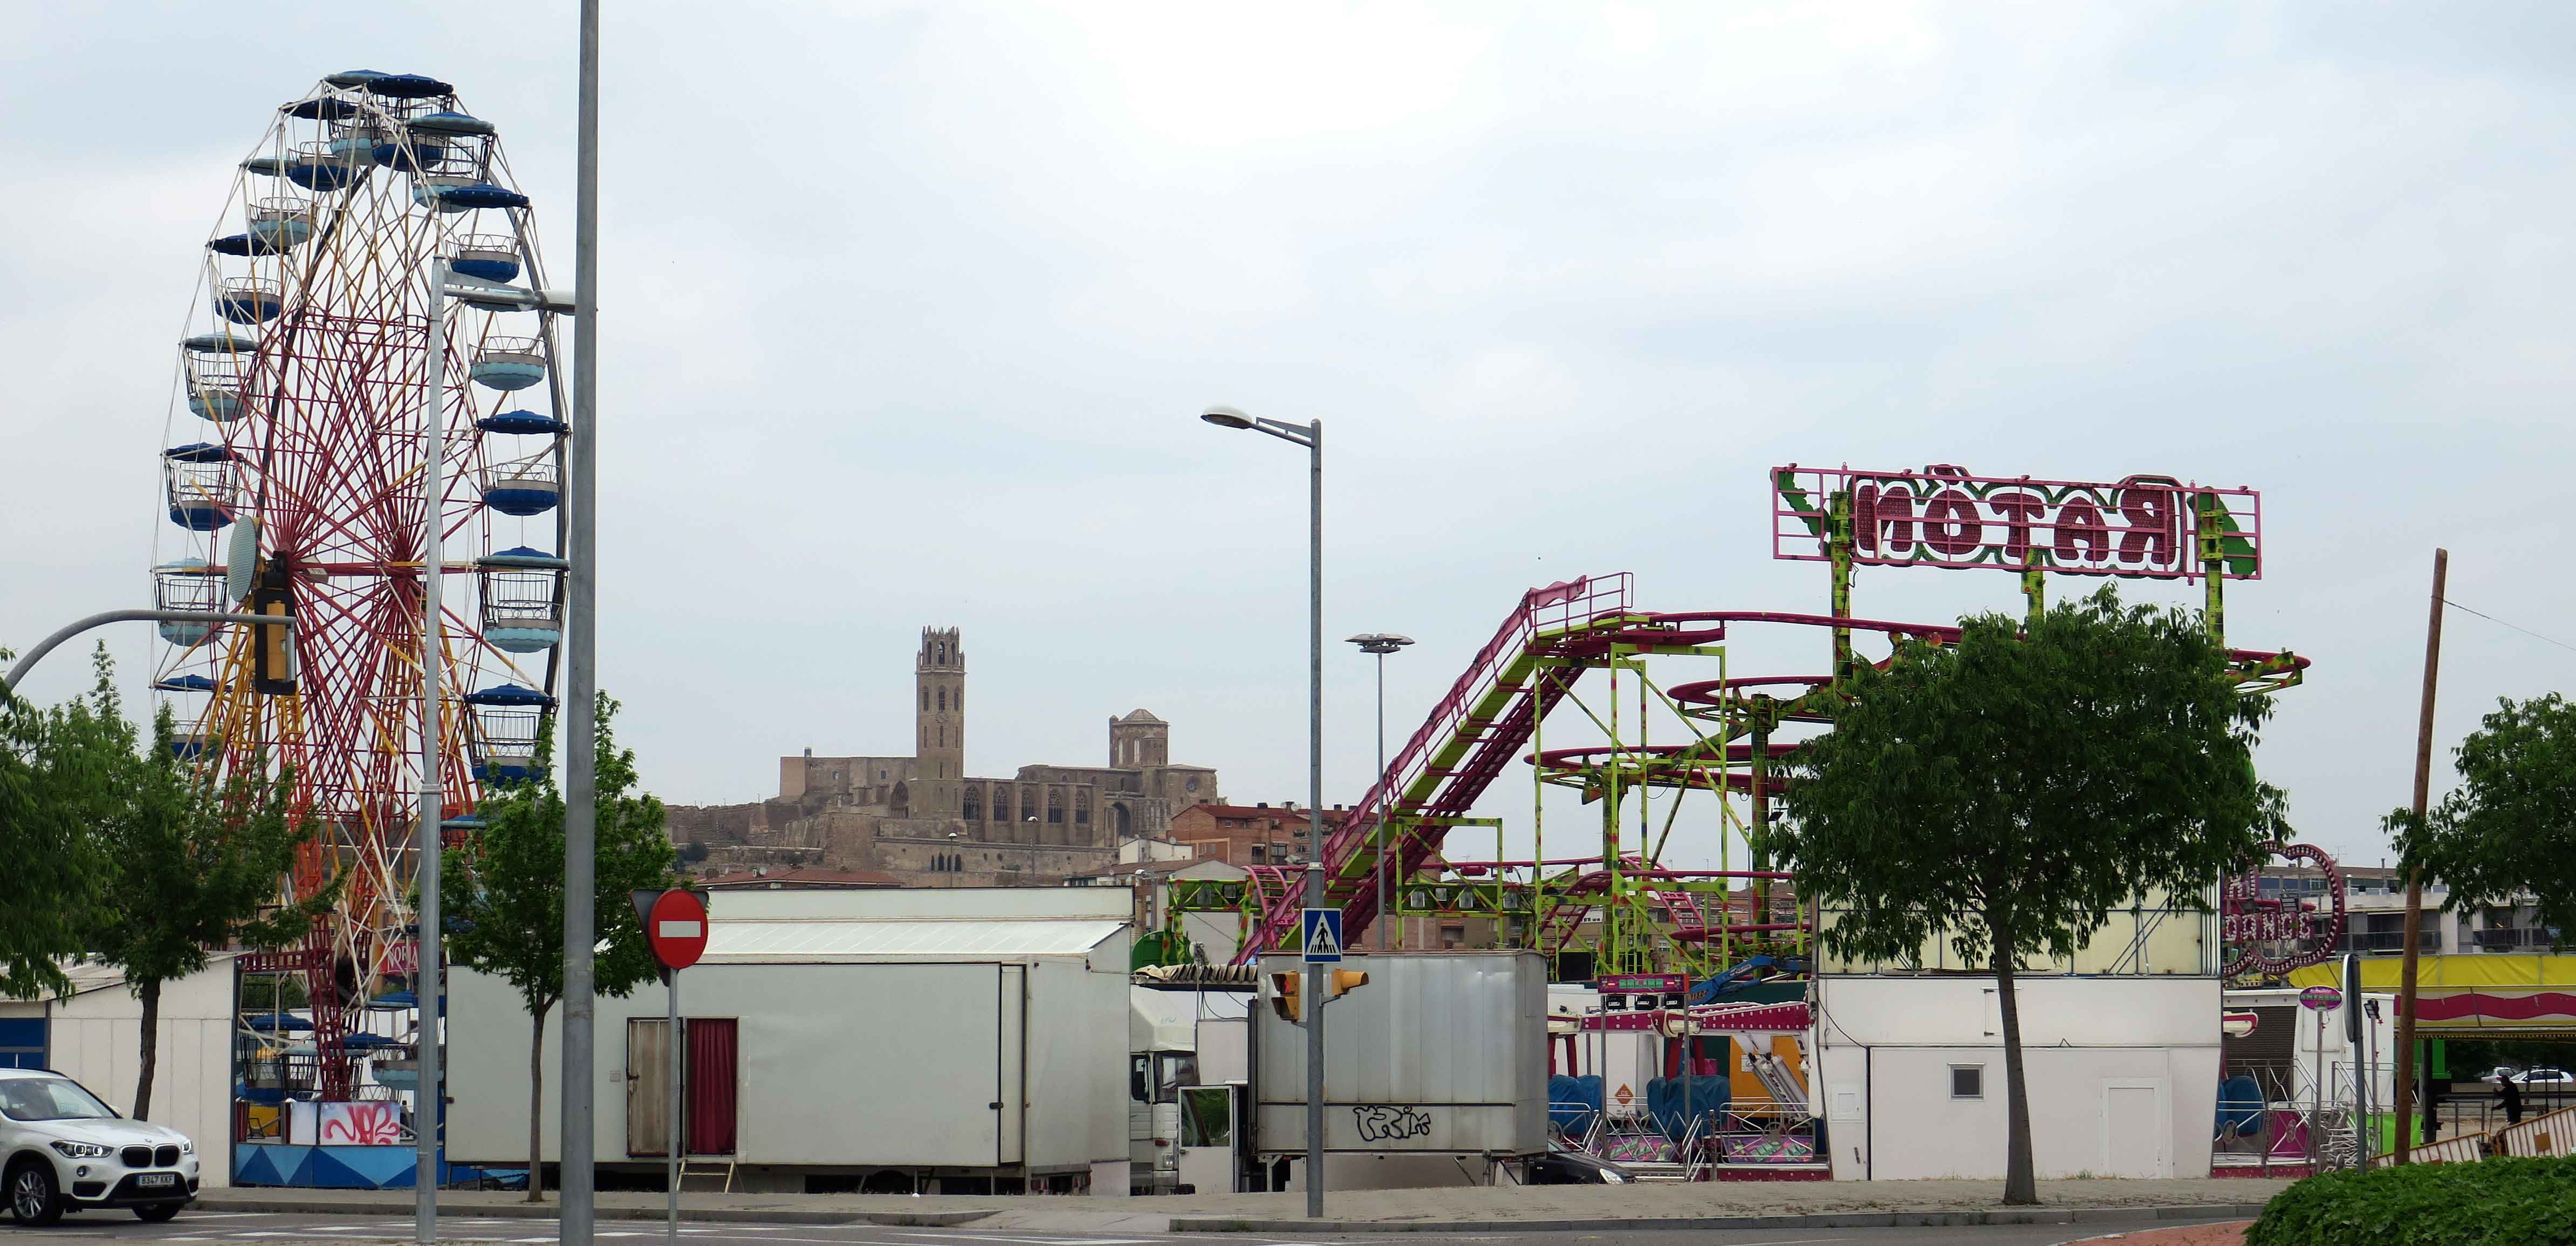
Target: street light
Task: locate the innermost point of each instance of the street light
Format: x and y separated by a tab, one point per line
1311	436
1378	645
575	1189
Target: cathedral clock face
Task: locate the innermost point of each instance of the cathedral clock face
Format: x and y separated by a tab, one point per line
1190	784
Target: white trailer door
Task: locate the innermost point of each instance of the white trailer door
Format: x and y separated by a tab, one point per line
871	1064
648	1086
1010	1062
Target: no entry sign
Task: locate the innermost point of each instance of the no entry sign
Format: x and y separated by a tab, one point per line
675	926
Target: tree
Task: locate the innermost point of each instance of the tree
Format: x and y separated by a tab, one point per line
2010	791
2510	827
58	770
503	895
191	862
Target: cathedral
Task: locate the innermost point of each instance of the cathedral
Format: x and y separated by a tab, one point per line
927	822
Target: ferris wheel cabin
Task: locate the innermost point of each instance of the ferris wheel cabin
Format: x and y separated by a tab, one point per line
199	483
214	385
188	584
485	257
318	168
509	720
522	489
249	300
280	224
509	363
523	602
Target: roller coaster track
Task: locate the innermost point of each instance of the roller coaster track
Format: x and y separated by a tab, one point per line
1488	717
1478	728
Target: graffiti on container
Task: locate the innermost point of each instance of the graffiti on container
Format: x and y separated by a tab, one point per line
1386	1123
361	1123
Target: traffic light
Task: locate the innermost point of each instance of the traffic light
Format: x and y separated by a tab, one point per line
1287	988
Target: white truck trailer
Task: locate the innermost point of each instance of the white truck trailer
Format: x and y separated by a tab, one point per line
1440	1058
939	1041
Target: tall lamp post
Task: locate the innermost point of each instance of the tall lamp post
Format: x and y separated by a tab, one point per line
576	1079
1378	645
429	979
1311	436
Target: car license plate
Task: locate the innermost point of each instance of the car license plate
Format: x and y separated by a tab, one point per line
154	1180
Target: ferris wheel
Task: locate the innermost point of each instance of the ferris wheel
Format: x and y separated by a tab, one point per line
293	481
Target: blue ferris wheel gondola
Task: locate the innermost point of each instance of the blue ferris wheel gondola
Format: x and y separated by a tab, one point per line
318	168
199	484
454	124
243	244
523	424
247	300
465	196
523	599
406	86
511	695
490	258
220	342
327	108
509	720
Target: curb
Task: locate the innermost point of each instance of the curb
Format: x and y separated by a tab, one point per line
289	1206
1811	1220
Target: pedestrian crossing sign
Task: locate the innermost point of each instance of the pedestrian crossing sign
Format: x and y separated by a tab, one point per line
1323	936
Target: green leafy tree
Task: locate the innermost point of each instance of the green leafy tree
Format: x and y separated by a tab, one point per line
59	770
2011	791
503	895
189	863
2510	827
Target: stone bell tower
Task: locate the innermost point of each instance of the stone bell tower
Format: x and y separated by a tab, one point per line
939	724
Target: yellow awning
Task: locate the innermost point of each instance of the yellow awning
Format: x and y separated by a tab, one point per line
2380	973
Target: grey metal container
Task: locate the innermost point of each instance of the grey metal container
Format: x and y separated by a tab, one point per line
1441	1053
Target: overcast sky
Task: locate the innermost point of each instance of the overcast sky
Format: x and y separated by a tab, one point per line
907	311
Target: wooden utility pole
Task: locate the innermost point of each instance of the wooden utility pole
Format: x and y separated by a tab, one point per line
2405	1104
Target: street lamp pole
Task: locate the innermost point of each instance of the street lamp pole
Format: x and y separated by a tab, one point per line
427	983
1311	436
1381	644
581	672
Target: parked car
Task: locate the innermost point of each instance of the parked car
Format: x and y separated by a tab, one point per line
1565	1164
65	1150
2500	1072
2546	1079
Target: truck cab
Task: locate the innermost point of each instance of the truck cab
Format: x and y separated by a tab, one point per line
1162	1058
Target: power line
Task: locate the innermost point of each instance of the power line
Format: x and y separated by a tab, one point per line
2515	626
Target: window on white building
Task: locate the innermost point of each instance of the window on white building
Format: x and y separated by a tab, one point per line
1967	1081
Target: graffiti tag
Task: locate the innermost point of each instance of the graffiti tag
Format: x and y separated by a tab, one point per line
1383	1123
361	1123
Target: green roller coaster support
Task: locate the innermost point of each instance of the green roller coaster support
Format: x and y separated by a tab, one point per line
2213	521
1838	547
1159	947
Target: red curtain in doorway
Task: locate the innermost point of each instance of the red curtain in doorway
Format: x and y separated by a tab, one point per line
714	1057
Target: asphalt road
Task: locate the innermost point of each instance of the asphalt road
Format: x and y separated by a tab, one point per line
261	1229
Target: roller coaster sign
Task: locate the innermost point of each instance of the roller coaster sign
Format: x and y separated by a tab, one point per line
2143	526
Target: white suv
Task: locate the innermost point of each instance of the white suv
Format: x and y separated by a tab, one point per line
66	1151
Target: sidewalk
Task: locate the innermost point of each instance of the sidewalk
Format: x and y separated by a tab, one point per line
1460	1209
